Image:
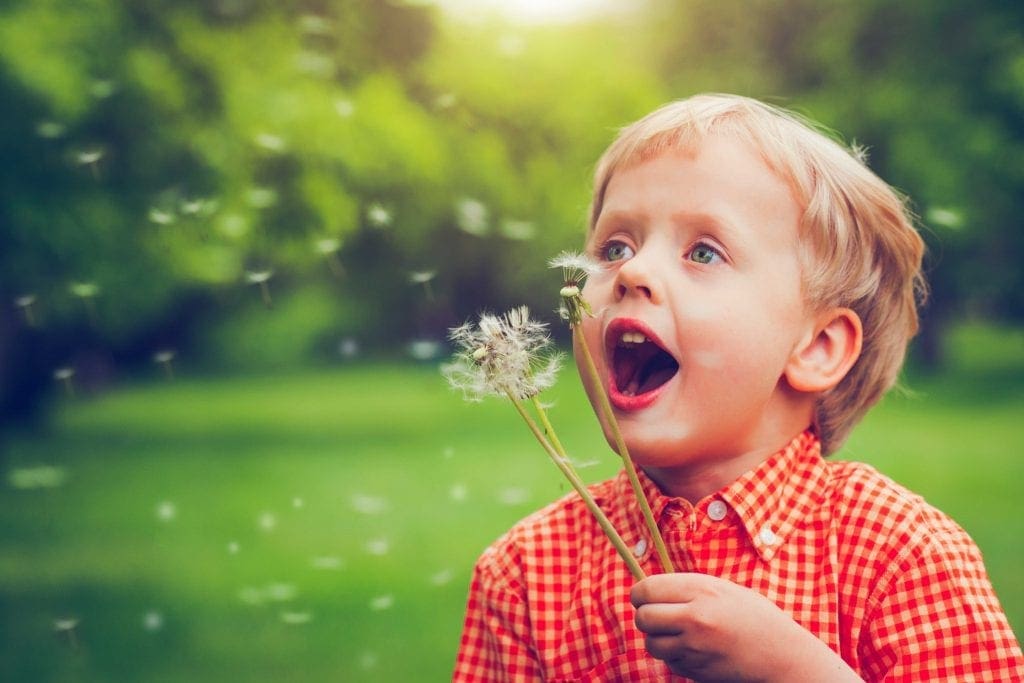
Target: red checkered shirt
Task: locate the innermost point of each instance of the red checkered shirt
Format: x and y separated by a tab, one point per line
887	581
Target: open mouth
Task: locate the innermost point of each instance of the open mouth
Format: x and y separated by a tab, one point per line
639	364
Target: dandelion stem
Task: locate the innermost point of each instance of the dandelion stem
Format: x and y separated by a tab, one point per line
549	428
563	464
645	506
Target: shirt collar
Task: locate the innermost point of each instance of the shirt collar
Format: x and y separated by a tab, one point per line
769	500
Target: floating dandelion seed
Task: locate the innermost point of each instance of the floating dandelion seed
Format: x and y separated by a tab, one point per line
442	577
382	602
378	215
251	595
296	618
65	375
328	563
316	64
267	521
518	230
233	225
161	217
472	216
164	358
298	503
448	453
445	100
233	547
90	157
67	626
50	129
261	278
369	505
458	492
102	88
368	660
328	247
40	477
87	292
344	107
25	302
198	206
261	197
152	621
945	217
280	592
166	511
424	277
424	349
506	356
315	24
271	143
513	495
378	546
348	348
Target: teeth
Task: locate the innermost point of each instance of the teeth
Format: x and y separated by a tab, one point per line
632	338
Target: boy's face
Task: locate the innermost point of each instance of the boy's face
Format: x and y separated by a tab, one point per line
699	310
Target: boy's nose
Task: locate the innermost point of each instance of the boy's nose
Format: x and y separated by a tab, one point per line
634	279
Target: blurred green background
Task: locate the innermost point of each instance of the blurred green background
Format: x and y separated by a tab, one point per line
233	234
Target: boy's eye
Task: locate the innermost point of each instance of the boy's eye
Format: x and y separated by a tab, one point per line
616	251
703	253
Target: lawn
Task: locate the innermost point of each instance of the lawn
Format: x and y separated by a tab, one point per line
321	525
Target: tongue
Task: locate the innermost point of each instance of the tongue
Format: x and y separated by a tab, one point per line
643	372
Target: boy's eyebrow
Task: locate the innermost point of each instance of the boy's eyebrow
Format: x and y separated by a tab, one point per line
704	221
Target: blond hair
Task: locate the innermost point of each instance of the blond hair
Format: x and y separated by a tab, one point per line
860	248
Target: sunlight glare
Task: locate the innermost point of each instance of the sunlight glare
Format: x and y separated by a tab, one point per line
528	11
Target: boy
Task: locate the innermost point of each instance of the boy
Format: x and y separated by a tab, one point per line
759	289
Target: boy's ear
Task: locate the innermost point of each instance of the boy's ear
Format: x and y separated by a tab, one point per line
823	359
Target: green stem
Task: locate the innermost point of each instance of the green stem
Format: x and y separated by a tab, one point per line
549	430
563	464
645	506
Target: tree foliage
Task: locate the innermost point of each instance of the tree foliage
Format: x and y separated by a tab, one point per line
165	161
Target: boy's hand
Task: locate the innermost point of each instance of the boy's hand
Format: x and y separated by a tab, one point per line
711	629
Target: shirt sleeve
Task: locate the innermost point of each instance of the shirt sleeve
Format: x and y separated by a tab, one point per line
936	618
496	645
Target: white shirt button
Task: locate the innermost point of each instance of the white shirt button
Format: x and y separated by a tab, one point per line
717	510
767	536
640	548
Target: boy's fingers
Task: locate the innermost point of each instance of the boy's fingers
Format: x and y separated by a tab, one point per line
662	588
660	619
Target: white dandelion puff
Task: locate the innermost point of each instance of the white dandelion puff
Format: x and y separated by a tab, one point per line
379	215
267	521
472	216
369	505
458	492
327	563
502	356
166	511
576	268
442	577
378	546
296	618
280	592
513	495
152	621
382	602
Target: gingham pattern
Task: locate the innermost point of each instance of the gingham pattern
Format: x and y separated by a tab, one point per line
890	583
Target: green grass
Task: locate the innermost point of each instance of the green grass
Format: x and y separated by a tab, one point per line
355	500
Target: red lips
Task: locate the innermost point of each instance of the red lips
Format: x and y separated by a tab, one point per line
639	365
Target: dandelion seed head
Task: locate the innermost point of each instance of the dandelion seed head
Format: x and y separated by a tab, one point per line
502	356
575	266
